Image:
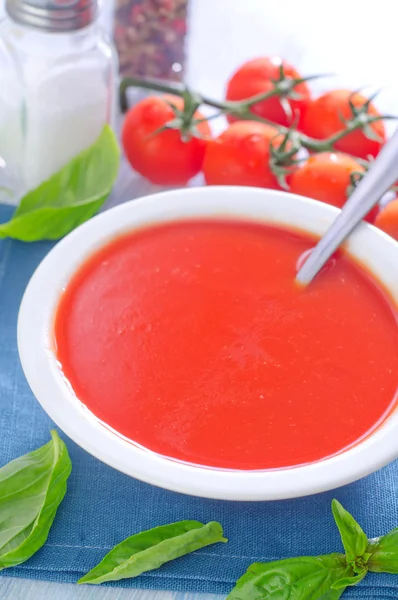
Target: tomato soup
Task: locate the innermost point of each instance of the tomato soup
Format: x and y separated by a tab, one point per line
193	340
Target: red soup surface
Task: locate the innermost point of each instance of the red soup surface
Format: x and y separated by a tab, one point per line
193	340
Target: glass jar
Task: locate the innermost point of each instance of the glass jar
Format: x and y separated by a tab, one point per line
150	37
57	90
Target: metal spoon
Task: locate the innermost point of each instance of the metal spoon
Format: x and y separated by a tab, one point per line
382	174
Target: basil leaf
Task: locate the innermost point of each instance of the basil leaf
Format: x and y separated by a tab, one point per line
352	535
384	553
31	489
150	549
303	578
346	581
69	197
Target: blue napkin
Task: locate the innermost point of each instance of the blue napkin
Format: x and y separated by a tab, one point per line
102	506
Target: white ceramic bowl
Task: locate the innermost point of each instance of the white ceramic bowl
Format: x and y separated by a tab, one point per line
35	326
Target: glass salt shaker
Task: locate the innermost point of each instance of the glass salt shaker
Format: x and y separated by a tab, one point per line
58	74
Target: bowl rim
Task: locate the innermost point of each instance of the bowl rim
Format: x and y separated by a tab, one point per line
34	334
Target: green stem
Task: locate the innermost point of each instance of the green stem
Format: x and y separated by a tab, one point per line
257	98
157	85
328	143
241	110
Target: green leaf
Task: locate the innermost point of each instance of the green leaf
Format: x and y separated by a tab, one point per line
69	197
303	578
31	489
150	549
346	581
352	535
384	553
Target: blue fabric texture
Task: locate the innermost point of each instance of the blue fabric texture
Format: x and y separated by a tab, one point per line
103	506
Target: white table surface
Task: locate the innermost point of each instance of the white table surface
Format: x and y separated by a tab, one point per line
356	39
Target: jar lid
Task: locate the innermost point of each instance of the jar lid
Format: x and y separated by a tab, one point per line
53	15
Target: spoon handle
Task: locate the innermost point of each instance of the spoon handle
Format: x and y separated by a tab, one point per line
382	174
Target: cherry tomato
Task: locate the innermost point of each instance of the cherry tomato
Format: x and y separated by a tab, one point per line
323	119
240	156
255	77
387	219
163	158
326	177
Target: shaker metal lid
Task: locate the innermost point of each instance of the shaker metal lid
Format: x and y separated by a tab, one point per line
53	15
